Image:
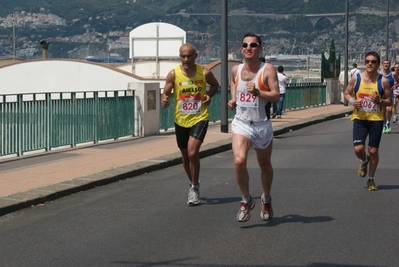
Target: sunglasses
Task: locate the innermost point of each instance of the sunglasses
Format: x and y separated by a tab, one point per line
253	45
370	61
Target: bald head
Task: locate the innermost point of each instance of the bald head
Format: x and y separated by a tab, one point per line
187	48
188	55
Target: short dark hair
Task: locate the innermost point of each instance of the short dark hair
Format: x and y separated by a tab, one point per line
280	68
251	34
375	54
354	65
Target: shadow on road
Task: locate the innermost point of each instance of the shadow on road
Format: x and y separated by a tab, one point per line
387	187
212	201
294	134
293	218
181	263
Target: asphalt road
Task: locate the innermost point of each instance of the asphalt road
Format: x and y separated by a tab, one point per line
324	214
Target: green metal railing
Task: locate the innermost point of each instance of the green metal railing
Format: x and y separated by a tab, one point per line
302	95
43	121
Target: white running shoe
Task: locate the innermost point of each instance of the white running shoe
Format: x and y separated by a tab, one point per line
193	196
243	214
266	214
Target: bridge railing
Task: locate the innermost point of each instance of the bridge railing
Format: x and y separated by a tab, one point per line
302	95
42	122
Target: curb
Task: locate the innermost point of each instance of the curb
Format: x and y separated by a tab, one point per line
41	195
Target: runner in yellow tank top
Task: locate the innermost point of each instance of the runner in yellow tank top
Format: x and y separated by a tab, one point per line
367	114
368	110
188	81
188	93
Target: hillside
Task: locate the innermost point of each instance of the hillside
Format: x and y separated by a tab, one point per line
96	20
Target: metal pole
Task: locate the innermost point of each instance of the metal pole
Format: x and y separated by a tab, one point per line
14	54
307	62
346	48
224	126
387	40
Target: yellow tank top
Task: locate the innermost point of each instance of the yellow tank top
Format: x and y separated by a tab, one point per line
369	110
188	94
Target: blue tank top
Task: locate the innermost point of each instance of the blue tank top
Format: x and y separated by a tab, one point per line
390	79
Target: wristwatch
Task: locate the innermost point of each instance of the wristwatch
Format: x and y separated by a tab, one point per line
381	100
256	92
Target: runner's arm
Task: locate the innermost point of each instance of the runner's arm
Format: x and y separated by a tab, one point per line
387	99
270	80
213	82
349	92
214	87
232	102
167	90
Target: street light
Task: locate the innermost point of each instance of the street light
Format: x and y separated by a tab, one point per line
346	48
387	33
224	126
308	60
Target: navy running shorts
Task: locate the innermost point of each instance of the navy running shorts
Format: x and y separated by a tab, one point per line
372	129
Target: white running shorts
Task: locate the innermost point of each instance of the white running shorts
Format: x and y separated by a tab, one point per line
260	133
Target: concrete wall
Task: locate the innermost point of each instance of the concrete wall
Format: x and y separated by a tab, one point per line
8	61
147	102
333	94
63	76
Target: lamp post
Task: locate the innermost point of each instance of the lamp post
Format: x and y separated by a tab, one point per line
308	60
224	126
387	33
346	48
14	53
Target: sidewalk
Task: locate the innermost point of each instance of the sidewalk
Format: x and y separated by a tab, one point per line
36	179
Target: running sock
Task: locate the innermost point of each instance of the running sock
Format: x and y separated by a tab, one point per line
247	199
265	198
365	161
